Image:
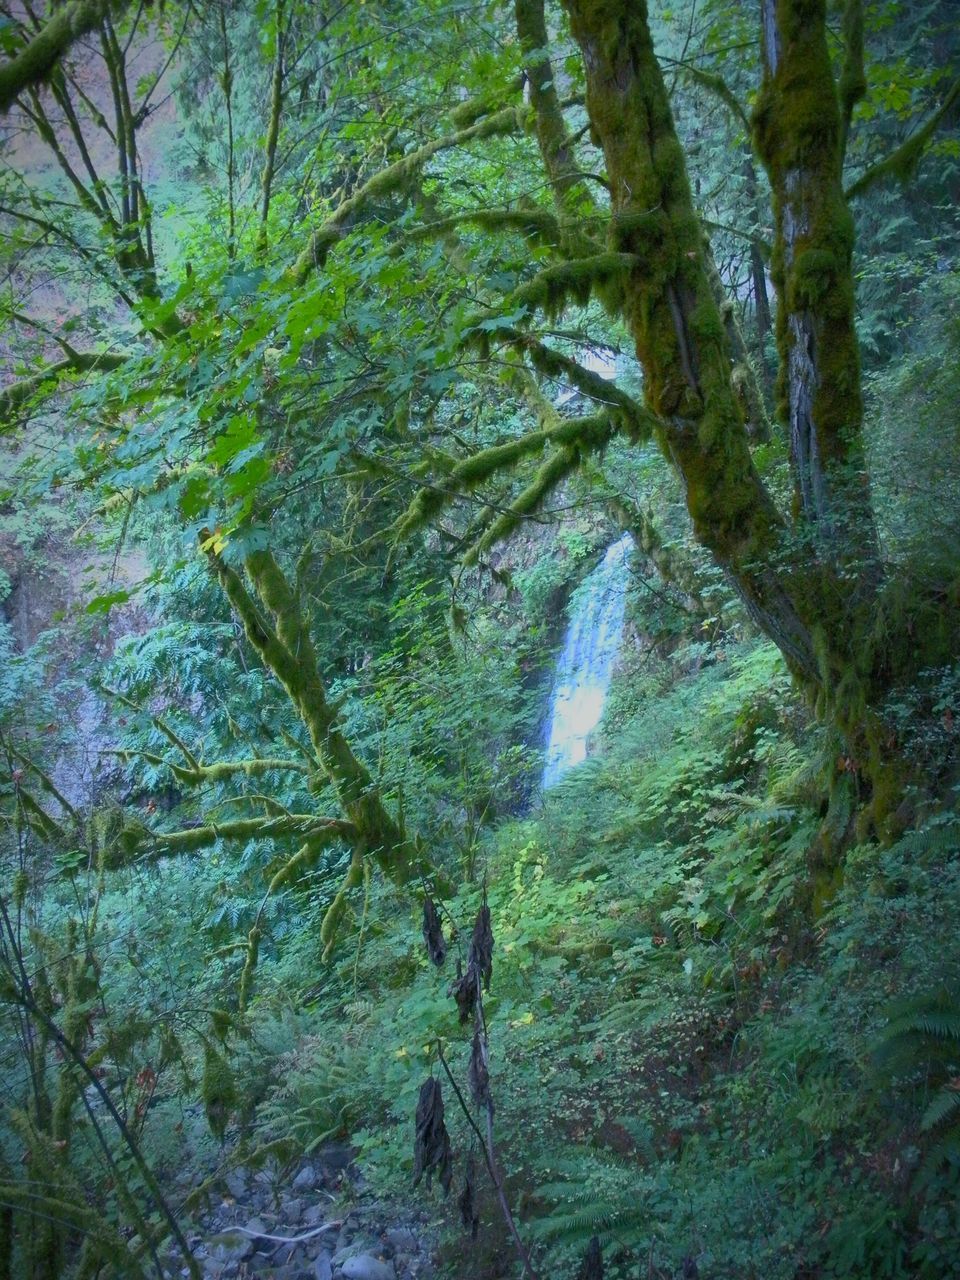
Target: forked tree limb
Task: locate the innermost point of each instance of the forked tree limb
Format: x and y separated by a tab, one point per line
40	55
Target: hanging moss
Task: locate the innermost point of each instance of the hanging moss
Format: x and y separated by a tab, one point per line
218	1090
338	907
575	282
249	968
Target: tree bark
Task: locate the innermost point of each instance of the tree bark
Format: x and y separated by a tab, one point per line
676	324
39	57
799	135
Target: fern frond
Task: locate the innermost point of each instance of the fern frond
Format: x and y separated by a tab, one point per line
945	1102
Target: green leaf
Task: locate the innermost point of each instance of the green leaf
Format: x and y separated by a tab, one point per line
103	604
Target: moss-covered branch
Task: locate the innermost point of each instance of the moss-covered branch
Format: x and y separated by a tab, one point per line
393	178
743	375
572	198
39	1201
716	85
273	130
602	275
632	417
853	77
673	319
588	433
557	467
47	783
901	164
539	225
302	825
671	564
797	131
199	774
39	57
45	826
284	645
18	394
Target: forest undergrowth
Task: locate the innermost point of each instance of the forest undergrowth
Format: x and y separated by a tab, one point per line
722	1026
703	1048
708	1046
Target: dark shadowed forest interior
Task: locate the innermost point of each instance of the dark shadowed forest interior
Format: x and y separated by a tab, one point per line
479	639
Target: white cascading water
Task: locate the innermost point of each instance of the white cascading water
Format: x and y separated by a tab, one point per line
583	671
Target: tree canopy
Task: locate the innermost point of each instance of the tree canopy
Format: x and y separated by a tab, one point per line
340	310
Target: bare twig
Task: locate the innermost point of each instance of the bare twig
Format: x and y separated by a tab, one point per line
489	1157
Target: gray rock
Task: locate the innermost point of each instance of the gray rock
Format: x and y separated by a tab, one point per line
255	1227
305	1179
287	1253
274	1272
260	1199
228	1246
323	1268
291	1211
313	1215
268	1175
403	1239
336	1155
364	1266
347	1246
236	1183
336	1163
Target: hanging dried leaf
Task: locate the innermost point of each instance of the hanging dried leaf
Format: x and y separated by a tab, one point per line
469	1213
465	989
433	933
431	1152
478	1072
481	946
591	1268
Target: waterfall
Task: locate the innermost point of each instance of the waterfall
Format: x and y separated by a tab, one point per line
583	671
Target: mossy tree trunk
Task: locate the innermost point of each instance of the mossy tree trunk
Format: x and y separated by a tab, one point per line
799	132
813	584
672	313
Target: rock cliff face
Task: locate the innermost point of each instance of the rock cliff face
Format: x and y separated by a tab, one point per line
50	585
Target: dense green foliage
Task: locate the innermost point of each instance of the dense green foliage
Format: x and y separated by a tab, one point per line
338	342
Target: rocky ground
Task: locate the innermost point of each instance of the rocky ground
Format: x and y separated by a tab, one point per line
314	1222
